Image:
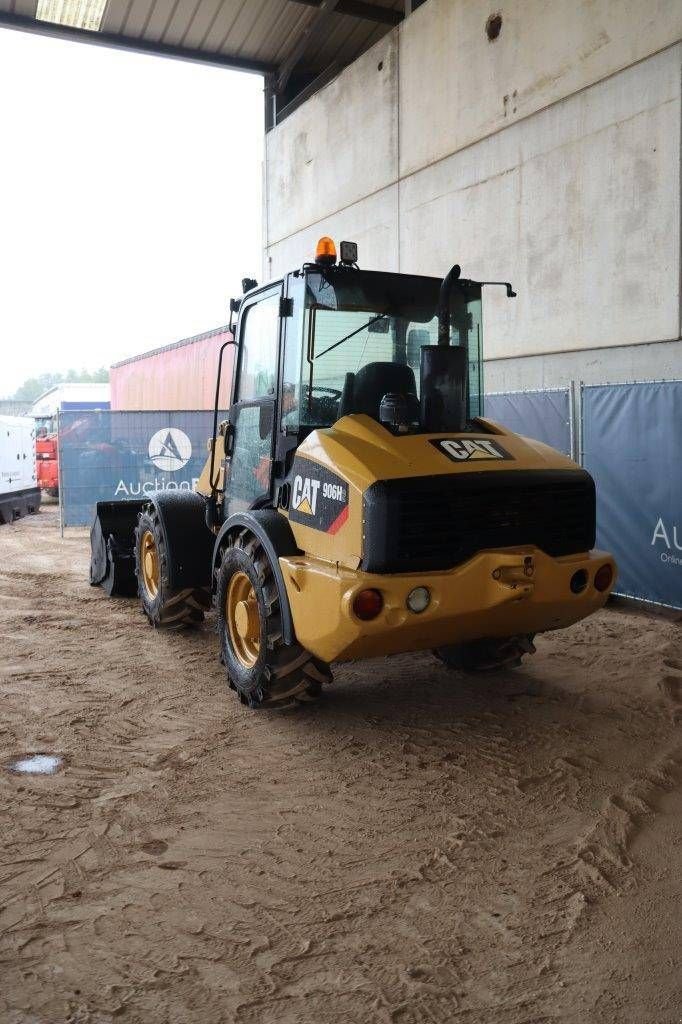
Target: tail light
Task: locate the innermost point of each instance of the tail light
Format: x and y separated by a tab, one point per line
603	578
367	604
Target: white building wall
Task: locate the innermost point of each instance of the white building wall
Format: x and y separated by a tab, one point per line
338	148
550	157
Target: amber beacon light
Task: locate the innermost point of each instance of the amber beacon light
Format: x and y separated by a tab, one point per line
326	251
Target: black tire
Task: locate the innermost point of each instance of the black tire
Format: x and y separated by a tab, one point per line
486	655
281	674
165	608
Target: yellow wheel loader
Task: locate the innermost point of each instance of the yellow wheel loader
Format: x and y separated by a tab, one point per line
356	502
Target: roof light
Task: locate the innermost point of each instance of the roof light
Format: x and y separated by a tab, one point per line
326	251
349	252
86	14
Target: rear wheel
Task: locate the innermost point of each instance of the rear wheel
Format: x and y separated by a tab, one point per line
264	670
486	655
165	608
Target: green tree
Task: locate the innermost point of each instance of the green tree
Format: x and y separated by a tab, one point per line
35	386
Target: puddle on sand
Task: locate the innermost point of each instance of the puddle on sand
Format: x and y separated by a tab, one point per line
36	764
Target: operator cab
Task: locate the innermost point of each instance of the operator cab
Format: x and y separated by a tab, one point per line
330	340
356	341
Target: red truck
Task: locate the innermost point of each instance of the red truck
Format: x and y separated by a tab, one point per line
60	398
47	467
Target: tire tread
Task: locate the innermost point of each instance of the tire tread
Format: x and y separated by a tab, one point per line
290	673
176	609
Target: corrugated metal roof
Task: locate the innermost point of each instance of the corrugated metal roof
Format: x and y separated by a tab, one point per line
173	345
293	41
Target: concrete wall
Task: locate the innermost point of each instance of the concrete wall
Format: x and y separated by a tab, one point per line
334	162
550	157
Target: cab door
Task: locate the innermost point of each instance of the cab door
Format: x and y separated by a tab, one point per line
252	414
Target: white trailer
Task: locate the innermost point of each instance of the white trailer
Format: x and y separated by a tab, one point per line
19	491
68	396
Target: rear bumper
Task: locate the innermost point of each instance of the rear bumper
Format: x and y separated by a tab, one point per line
495	593
19	503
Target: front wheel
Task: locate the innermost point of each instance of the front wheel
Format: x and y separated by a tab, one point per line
261	667
487	654
166	608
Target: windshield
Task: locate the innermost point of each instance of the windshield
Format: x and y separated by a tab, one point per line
45	425
355	318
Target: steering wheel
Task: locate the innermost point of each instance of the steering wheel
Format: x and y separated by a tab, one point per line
331	393
319	403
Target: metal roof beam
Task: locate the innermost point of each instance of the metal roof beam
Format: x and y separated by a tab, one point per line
322	14
362	10
117	42
305	94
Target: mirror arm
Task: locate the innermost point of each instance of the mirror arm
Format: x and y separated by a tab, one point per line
511	294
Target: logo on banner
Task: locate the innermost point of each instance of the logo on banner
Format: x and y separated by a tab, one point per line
462	449
667	533
170	449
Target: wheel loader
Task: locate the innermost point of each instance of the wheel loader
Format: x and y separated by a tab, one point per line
355	501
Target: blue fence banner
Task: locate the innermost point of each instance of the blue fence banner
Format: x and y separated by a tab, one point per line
632	446
631	441
542	415
108	455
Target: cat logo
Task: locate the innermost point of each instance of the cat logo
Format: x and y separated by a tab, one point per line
461	449
319	498
304	495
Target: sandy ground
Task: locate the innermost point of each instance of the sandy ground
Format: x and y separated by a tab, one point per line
420	848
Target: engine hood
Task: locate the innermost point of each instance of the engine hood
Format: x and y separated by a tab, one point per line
362	451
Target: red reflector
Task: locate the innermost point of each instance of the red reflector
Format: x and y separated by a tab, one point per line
602	578
367	604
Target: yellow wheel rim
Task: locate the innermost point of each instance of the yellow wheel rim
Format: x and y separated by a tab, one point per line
243	619
149	563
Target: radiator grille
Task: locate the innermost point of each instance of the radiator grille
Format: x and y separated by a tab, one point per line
438	522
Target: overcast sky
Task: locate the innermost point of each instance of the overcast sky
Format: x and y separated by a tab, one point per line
130	191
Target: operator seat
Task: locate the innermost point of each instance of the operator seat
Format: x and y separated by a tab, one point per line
363	391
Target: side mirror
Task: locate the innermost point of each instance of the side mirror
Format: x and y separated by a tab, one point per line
235	305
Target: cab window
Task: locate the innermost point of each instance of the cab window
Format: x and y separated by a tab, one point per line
258	349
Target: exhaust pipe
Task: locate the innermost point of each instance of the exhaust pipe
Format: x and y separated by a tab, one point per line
444	372
444	304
